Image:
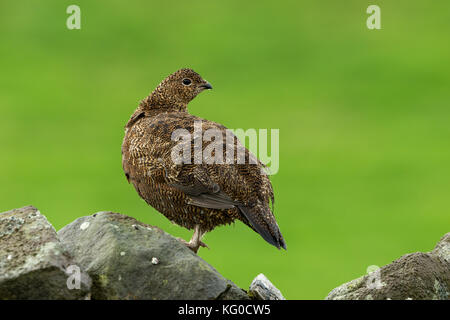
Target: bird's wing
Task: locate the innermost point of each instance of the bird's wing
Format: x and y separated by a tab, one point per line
203	191
214	201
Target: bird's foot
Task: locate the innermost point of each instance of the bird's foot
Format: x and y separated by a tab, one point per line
192	245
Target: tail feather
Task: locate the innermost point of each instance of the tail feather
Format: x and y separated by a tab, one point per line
263	222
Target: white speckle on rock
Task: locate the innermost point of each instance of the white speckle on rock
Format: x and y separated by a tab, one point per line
122	253
34	214
84	225
148	228
155	260
9	257
120	277
408	298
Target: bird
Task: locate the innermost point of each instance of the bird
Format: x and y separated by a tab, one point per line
197	195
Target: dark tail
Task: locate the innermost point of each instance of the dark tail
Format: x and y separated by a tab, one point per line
261	220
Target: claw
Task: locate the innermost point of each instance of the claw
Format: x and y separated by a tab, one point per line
194	247
203	245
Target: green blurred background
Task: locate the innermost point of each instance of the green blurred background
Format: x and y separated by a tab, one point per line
363	115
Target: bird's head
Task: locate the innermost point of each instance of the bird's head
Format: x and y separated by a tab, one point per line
178	89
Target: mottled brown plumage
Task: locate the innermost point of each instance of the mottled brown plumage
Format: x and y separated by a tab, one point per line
195	196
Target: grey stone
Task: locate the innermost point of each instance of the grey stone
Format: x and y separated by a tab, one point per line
422	276
33	263
442	249
262	289
127	259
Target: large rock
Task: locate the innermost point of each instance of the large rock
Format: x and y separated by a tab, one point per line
413	276
127	259
33	263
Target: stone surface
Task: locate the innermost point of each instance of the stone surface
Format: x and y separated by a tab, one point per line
414	276
127	259
262	289
33	263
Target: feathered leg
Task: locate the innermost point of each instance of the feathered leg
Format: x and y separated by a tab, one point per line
196	241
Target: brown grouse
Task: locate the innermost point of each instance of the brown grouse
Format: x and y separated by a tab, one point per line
197	195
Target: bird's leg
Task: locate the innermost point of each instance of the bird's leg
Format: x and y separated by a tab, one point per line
196	241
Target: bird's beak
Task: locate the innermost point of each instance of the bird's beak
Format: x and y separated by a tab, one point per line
206	85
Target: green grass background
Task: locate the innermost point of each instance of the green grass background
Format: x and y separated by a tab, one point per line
363	115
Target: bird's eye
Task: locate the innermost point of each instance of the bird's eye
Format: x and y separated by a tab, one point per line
187	82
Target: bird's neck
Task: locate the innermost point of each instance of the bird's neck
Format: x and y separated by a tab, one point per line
159	102
152	106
